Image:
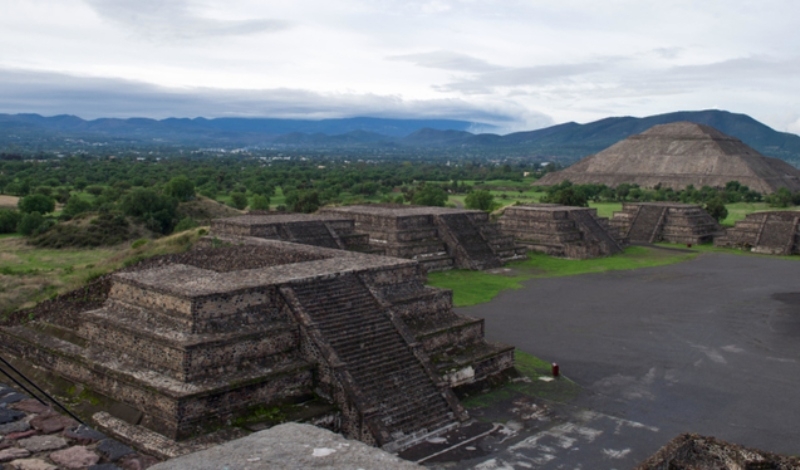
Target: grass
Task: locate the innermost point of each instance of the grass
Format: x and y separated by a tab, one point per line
531	369
29	275
475	287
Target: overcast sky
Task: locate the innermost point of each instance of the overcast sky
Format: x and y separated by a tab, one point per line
518	64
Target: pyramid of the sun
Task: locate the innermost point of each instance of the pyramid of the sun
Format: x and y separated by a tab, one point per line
677	155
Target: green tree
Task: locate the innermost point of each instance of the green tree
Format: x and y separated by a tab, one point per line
303	201
75	205
780	198
239	200
430	195
181	188
32	223
155	210
9	219
716	208
260	203
37	203
480	199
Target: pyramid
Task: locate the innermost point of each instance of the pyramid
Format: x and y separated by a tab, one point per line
676	155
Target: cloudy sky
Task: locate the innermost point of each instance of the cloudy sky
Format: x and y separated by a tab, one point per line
517	64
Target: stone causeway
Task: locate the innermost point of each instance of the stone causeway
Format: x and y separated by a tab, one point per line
186	343
650	222
564	231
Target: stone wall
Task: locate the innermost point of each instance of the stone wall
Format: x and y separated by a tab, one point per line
774	233
650	222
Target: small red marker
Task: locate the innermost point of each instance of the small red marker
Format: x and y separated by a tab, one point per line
555	370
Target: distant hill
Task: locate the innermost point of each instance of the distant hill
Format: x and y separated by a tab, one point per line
565	142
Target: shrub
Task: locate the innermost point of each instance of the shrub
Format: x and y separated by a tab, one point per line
9	219
37	203
32	223
480	199
106	229
239	200
260	203
139	243
181	188
75	205
185	224
430	195
716	208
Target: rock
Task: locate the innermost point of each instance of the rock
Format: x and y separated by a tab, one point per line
20	435
74	457
49	424
104	466
14	426
42	443
137	462
7	416
31	406
13	454
13	397
113	450
32	464
83	435
290	445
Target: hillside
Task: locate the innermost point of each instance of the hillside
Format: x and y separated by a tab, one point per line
565	142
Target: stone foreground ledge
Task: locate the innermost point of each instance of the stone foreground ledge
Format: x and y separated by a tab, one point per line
289	446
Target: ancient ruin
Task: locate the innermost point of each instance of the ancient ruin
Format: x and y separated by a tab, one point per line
773	232
439	238
650	222
308	229
677	155
566	231
191	341
695	452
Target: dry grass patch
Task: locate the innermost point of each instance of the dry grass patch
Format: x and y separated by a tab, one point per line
8	202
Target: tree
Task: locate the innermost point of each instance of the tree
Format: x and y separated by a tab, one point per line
75	205
430	195
37	203
303	201
567	197
32	223
780	198
157	211
716	208
181	188
9	220
239	200
480	199
260	203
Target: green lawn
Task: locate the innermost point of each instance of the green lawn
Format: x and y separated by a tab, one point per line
531	369
475	287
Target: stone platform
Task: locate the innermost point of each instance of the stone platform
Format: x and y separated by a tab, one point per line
190	342
439	238
308	229
773	232
650	222
566	231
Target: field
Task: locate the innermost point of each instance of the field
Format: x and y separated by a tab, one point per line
475	287
8	202
29	275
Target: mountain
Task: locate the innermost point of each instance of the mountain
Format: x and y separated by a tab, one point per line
564	142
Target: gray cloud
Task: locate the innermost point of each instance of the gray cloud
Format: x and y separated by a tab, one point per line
52	93
447	60
522	76
175	19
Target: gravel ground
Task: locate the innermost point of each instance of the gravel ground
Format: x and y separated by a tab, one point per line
710	346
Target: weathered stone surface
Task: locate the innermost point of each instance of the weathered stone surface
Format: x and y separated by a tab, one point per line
113	450
20	435
49	424
12	397
84	435
31	464
136	462
13	453
7	416
31	406
15	426
74	457
42	443
289	446
104	466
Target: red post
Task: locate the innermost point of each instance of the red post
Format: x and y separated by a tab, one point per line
555	370
688	245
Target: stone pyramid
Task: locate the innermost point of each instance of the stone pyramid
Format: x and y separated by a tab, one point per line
679	154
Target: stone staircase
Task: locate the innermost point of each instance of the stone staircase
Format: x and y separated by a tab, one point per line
393	387
644	228
315	233
592	230
469	247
